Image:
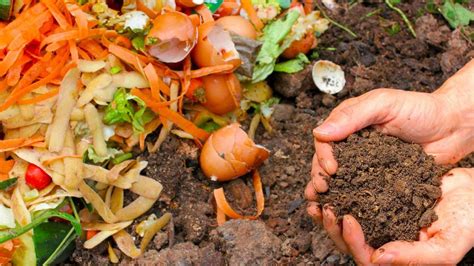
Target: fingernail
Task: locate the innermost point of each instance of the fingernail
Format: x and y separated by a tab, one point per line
325	129
383	257
325	164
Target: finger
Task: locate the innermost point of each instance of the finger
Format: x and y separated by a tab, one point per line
325	155
319	177
310	192
314	211
355	240
371	108
433	251
424	236
333	229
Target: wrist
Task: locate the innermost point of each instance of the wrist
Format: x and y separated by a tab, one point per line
456	96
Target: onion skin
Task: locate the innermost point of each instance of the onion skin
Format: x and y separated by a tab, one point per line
218	88
229	153
301	46
173	26
239	26
204	54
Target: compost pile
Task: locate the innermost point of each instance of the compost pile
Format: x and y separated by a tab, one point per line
388	185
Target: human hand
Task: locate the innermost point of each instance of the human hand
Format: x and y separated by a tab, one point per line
442	122
446	241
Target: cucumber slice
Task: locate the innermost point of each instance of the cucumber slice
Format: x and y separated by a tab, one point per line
6	7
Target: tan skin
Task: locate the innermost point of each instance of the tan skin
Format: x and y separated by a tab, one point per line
443	123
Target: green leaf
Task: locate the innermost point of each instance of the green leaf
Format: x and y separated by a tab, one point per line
122	157
284	3
51	236
91	156
456	14
6	235
273	36
4	185
210	126
122	109
395	2
138	42
294	65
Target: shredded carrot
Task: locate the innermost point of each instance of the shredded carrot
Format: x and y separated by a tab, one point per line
12	144
172	116
205	13
225	207
14	73
122	41
127	56
3	84
142	7
308	6
70	35
91	233
40	98
93	48
205	71
9	60
74	51
57	14
156	83
81	20
6	165
83	54
19	91
248	7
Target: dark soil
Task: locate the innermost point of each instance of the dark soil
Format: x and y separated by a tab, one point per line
388	185
374	59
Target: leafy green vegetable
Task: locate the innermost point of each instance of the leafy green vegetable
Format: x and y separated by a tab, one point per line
213	5
115	70
4	185
294	65
284	3
273	46
138	42
122	157
456	14
122	109
91	156
210	126
395	2
39	219
50	236
266	108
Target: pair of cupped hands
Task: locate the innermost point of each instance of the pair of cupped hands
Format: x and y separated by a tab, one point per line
443	123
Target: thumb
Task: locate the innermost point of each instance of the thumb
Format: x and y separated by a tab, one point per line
433	251
357	113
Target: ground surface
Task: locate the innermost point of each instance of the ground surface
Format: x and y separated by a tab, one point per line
388	185
284	234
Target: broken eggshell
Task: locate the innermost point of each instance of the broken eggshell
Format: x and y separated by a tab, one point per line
328	77
222	92
214	47
239	26
172	37
229	153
